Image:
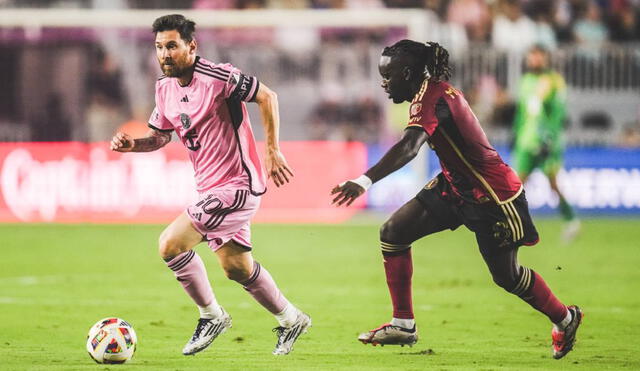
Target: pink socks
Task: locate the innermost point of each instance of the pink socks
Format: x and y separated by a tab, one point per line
190	272
192	275
262	287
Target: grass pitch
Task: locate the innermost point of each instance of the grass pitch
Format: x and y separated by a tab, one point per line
57	280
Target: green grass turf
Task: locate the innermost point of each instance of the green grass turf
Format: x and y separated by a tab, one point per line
57	280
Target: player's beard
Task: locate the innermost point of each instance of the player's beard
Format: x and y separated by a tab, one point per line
173	70
175	67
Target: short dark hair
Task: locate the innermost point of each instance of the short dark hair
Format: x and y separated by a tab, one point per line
185	27
429	57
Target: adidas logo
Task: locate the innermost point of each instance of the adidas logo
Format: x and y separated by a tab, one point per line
184	99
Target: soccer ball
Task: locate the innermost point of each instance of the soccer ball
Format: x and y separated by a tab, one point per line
111	340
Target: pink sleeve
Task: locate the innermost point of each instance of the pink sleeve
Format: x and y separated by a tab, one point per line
240	86
157	120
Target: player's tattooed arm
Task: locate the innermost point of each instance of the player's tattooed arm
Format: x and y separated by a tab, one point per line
277	167
397	156
155	139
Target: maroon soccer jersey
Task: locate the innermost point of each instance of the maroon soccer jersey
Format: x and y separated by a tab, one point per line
469	162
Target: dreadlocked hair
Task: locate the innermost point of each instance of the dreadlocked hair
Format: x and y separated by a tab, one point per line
429	57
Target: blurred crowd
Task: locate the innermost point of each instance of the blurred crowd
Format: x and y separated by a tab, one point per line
504	23
314	63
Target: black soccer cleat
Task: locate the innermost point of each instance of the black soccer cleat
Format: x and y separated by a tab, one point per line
563	341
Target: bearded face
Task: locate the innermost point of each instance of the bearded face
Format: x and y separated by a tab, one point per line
175	55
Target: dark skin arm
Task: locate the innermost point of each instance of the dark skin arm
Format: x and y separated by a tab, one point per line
155	139
397	156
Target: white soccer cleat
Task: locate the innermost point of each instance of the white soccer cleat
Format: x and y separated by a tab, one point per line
388	334
206	332
287	336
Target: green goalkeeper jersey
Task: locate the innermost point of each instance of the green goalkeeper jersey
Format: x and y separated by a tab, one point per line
540	113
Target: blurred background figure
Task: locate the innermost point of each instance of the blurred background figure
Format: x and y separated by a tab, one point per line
542	14
338	118
512	29
52	124
473	15
539	128
589	30
327	116
107	104
631	136
622	21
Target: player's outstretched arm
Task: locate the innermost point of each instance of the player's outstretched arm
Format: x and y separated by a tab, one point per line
397	156
277	167
155	139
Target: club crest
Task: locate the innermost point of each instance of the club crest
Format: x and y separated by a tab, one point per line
502	233
416	108
185	120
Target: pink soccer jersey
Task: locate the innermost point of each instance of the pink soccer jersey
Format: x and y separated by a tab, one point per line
210	117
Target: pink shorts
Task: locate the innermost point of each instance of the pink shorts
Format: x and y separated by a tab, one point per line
224	214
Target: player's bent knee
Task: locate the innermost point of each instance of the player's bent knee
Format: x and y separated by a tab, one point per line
237	273
389	232
504	282
508	281
168	246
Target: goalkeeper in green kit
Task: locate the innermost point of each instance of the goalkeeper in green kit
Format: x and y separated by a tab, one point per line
539	126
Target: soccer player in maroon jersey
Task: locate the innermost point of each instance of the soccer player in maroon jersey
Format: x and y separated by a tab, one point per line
475	188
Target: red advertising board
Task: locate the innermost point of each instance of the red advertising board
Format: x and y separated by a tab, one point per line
75	182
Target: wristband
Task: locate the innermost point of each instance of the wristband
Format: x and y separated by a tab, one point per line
363	181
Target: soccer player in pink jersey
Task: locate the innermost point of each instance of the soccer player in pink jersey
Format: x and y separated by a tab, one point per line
204	103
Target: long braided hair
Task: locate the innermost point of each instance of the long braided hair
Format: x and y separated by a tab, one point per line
429	57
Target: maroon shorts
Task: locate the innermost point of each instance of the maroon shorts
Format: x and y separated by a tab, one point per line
497	226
